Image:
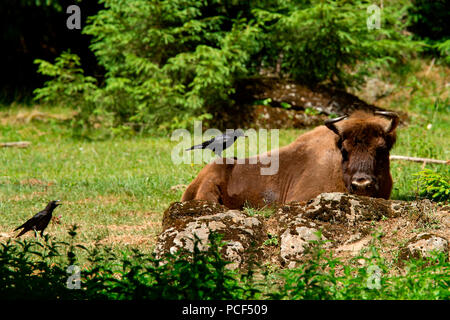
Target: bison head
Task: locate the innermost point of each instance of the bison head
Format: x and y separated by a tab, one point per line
365	141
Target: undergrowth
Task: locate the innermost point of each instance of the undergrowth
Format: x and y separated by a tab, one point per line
40	269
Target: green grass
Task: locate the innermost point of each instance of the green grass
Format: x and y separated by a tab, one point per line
116	189
427	134
264	212
120	182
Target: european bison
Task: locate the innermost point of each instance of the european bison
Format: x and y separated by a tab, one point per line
347	154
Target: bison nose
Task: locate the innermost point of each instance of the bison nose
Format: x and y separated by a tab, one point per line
361	182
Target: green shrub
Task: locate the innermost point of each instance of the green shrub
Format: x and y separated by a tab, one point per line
444	50
28	269
329	41
365	277
170	62
200	275
38	269
71	88
433	185
264	212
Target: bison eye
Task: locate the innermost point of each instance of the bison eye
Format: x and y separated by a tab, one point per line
344	154
382	149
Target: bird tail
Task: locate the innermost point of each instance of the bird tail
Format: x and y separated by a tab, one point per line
21	232
198	146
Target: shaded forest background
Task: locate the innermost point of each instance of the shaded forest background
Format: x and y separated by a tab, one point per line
156	64
34	29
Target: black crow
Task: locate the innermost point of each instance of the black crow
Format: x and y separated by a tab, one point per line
220	143
40	220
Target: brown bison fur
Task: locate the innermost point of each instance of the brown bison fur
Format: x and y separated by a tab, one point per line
351	155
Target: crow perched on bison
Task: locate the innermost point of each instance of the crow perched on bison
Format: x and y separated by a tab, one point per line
220	143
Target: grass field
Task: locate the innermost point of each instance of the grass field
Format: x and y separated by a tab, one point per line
116	189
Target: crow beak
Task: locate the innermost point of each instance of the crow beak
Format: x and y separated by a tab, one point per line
57	202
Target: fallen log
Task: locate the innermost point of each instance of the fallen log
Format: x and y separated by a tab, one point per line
421	160
19	144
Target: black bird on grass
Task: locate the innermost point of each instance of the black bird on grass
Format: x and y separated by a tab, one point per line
220	143
40	220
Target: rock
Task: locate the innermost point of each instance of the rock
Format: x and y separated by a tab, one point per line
353	247
347	208
353	238
347	221
294	241
375	89
180	211
446	220
240	233
422	245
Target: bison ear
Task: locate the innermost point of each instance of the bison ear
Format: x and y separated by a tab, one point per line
330	124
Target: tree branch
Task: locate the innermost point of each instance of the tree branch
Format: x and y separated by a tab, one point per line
20	144
421	160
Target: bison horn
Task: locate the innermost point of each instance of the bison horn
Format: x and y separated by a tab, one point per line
330	123
391	115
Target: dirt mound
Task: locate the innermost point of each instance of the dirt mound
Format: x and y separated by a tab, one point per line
288	104
301	97
406	229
